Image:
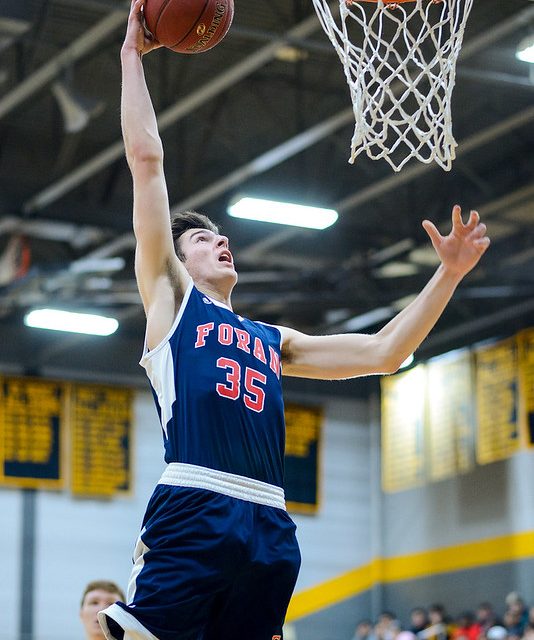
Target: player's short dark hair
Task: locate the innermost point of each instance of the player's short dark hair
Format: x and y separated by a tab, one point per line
103	585
185	220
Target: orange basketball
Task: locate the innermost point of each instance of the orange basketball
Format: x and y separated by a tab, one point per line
188	26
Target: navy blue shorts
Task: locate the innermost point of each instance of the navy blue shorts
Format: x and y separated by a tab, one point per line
208	566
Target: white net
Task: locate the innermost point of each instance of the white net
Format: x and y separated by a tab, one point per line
400	64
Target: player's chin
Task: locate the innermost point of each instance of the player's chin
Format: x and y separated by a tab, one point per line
231	274
227	267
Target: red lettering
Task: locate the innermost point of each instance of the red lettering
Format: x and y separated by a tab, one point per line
202	332
274	362
226	334
233	374
256	395
259	351
243	339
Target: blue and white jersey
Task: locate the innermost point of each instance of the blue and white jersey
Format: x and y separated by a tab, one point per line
216	383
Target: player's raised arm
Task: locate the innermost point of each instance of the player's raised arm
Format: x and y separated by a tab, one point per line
160	276
351	355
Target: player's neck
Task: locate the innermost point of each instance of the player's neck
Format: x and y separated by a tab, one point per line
216	294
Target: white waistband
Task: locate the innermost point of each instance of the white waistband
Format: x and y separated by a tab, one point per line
180	474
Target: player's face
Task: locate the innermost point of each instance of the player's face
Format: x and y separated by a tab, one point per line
207	257
94	602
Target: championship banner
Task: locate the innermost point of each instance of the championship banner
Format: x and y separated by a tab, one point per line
101	440
496	393
450	416
302	457
525	343
32	421
402	418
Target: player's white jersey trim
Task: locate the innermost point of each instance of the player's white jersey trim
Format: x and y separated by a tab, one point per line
190	475
159	367
132	627
139	563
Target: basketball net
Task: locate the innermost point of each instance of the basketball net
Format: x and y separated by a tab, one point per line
400	65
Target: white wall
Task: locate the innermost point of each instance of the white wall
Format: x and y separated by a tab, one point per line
82	540
338	538
492	500
78	540
10	545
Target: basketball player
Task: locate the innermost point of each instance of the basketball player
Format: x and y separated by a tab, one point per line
97	595
217	557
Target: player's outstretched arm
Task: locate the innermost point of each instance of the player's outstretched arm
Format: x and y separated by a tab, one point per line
351	355
160	276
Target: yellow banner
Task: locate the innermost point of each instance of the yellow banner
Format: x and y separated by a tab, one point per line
526	385
403	409
496	393
302	457
450	423
101	433
32	420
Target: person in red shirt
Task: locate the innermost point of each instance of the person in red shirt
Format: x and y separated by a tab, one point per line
467	628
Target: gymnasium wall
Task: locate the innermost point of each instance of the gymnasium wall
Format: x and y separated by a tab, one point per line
363	552
10	544
80	540
457	542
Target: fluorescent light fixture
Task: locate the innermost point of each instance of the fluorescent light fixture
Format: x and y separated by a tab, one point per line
525	50
58	320
296	215
407	362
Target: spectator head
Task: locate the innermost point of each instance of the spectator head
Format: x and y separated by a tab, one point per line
496	633
386	616
514	602
364	629
97	595
418	618
436	613
387	626
485	612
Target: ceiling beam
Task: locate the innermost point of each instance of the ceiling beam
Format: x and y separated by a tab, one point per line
52	69
282	152
267	160
173	114
224	81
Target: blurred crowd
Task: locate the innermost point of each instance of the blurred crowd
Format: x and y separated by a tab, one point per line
435	623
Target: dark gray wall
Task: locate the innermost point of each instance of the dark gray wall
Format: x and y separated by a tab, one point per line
335	623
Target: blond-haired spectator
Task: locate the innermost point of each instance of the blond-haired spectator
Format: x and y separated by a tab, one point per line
97	595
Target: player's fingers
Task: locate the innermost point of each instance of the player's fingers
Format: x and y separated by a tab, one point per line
135	9
457	216
474	219
434	234
482	243
479	231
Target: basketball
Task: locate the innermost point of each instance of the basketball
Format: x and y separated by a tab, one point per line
188	26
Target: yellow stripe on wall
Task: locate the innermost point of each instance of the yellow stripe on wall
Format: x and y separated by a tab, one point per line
509	548
328	593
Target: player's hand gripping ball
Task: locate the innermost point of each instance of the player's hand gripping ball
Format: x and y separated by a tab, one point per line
188	26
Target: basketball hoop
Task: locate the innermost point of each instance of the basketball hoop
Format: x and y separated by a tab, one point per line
399	58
